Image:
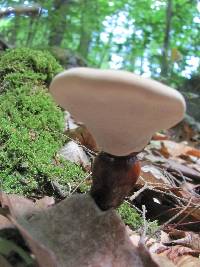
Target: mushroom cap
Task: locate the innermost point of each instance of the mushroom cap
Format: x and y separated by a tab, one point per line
122	110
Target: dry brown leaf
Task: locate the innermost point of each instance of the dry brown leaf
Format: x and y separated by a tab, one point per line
135	238
81	235
154	159
45	202
152	245
173	149
169	155
22	210
165	151
18	206
195	166
189	214
5	223
153	174
188	261
82	135
186	226
162	260
186	191
4	262
180	256
44	256
159	137
75	233
187	239
180	169
193	152
186	186
78	131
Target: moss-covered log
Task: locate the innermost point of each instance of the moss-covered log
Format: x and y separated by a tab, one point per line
31	125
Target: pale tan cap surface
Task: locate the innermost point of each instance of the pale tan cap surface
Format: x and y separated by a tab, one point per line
122	110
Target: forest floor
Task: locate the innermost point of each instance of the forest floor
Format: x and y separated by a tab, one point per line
43	223
167	191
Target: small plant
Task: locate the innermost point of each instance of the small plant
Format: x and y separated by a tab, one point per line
31	125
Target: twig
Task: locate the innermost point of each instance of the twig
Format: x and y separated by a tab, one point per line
144	231
169	221
150	187
136	194
174	196
163	185
85	178
190	212
89	151
133	206
177	215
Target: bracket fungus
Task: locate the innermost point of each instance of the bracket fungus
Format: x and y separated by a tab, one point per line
122	111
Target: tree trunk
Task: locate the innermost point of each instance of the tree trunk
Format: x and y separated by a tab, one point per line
84	43
166	44
58	22
85	35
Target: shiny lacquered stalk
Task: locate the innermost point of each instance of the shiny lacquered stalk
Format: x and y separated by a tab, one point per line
113	178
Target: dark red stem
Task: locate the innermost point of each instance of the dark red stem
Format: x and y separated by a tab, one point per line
113	179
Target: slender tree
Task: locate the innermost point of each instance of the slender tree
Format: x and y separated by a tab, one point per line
166	43
57	21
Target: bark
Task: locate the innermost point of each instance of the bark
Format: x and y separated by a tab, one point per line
166	44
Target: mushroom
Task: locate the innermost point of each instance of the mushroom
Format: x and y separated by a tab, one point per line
122	111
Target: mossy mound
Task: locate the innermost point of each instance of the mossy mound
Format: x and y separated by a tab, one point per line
28	64
31	125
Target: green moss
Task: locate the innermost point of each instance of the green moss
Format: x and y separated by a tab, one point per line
31	125
134	220
25	63
130	216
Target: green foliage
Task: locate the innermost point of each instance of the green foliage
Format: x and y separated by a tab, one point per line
133	31
134	220
31	125
132	34
130	216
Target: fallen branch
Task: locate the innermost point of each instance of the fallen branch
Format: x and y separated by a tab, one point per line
25	10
